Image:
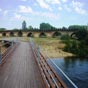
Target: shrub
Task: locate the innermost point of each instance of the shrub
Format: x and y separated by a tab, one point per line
65	37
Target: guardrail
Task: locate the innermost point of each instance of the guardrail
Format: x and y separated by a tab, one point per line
51	79
6	51
68	81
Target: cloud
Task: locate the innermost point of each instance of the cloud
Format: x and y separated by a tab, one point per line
24	0
35	4
43	4
20	17
67	8
53	1
78	7
64	1
60	8
5	12
80	10
50	15
24	9
0	9
76	3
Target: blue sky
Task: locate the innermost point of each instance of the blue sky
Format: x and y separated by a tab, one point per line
58	13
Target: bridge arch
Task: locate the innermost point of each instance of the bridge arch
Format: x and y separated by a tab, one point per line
3	34
56	34
20	34
42	35
11	33
30	35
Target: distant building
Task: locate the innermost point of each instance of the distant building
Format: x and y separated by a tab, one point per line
24	25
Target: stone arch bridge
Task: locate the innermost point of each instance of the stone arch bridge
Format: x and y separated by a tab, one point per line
29	33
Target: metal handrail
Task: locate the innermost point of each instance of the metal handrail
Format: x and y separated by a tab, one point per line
52	70
69	80
52	80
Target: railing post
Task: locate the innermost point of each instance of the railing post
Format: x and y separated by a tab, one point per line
0	55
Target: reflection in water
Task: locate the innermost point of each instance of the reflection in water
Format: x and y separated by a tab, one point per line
75	68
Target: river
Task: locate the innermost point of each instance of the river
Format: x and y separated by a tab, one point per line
75	68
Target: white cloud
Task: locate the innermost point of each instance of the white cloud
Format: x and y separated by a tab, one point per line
78	7
50	15
64	1
24	9
80	10
60	8
76	3
66	7
20	17
35	4
43	4
53	1
0	9
5	12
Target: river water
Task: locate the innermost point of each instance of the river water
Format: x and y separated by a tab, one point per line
75	68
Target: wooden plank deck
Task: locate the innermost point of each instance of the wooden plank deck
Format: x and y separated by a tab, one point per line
21	70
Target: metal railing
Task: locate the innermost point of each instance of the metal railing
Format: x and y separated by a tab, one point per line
69	82
51	79
5	51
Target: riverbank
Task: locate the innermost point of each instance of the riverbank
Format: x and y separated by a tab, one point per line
53	47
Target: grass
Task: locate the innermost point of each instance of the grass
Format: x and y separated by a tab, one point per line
52	46
2	48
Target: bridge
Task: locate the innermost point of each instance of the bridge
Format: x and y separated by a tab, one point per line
22	65
32	33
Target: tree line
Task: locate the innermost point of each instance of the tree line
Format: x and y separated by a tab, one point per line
49	27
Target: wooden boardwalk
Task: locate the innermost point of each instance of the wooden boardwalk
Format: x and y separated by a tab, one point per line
21	70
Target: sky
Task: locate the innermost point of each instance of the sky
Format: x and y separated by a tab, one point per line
58	13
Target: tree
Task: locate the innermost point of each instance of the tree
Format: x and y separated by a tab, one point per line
30	28
15	29
86	40
64	28
65	37
76	27
80	34
2	29
45	26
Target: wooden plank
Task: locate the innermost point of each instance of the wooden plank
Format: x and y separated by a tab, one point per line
21	70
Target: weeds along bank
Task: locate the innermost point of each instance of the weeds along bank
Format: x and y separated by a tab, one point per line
53	47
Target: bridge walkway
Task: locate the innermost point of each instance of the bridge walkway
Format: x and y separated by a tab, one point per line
20	70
